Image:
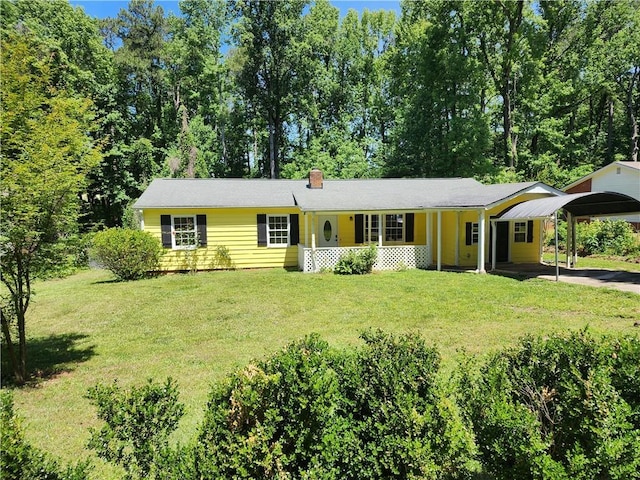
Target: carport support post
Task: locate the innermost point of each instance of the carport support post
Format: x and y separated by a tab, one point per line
574	251
569	239
555	228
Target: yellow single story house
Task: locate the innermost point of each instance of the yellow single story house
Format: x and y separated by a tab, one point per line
310	224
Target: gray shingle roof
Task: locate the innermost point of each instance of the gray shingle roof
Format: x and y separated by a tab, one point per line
218	193
336	195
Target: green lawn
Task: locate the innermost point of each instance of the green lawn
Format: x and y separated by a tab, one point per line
596	261
196	328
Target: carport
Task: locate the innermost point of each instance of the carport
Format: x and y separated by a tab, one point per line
575	205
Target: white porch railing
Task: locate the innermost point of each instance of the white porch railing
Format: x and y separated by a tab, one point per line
389	257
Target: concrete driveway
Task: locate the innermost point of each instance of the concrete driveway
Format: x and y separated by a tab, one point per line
617	279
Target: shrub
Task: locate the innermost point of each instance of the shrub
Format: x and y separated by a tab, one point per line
222	258
310	412
137	425
128	254
610	237
357	262
19	460
561	407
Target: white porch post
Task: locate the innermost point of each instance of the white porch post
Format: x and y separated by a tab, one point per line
541	242
457	245
555	228
306	229
429	243
494	243
439	241
313	242
379	229
481	241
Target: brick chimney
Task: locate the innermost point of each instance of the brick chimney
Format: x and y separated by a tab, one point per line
315	178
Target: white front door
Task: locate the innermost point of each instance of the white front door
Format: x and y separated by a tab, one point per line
327	231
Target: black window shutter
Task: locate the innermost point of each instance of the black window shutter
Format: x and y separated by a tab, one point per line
408	227
262	230
201	220
468	238
530	231
359	226
165	228
294	229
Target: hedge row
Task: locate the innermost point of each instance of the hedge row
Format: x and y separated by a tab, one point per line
563	407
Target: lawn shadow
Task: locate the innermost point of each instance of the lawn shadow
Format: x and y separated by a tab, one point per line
49	357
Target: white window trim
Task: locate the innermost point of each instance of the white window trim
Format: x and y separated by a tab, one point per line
278	245
173	233
384	229
368	236
521	232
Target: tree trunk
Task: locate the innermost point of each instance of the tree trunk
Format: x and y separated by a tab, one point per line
609	154
507	124
6	332
272	149
633	121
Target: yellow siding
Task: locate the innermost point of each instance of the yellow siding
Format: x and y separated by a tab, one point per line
521	252
469	253
346	231
347	235
235	229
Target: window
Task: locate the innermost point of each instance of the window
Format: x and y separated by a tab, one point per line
394	227
277	230
371	228
184	232
474	233
520	232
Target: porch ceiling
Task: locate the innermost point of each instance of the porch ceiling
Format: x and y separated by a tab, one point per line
587	204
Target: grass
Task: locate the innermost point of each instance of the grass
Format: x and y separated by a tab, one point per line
197	328
597	261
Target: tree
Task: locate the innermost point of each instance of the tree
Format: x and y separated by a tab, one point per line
270	36
438	79
46	153
501	28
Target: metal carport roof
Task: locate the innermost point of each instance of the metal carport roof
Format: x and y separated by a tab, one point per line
587	204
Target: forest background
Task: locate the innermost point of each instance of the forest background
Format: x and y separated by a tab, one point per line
496	90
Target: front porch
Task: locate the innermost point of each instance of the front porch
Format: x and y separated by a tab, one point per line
393	257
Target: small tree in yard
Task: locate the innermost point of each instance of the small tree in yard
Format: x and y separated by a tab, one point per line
128	254
45	154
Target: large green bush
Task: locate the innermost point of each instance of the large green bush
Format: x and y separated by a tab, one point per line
128	254
609	237
310	412
566	407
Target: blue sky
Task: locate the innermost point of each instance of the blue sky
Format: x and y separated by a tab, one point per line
110	8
